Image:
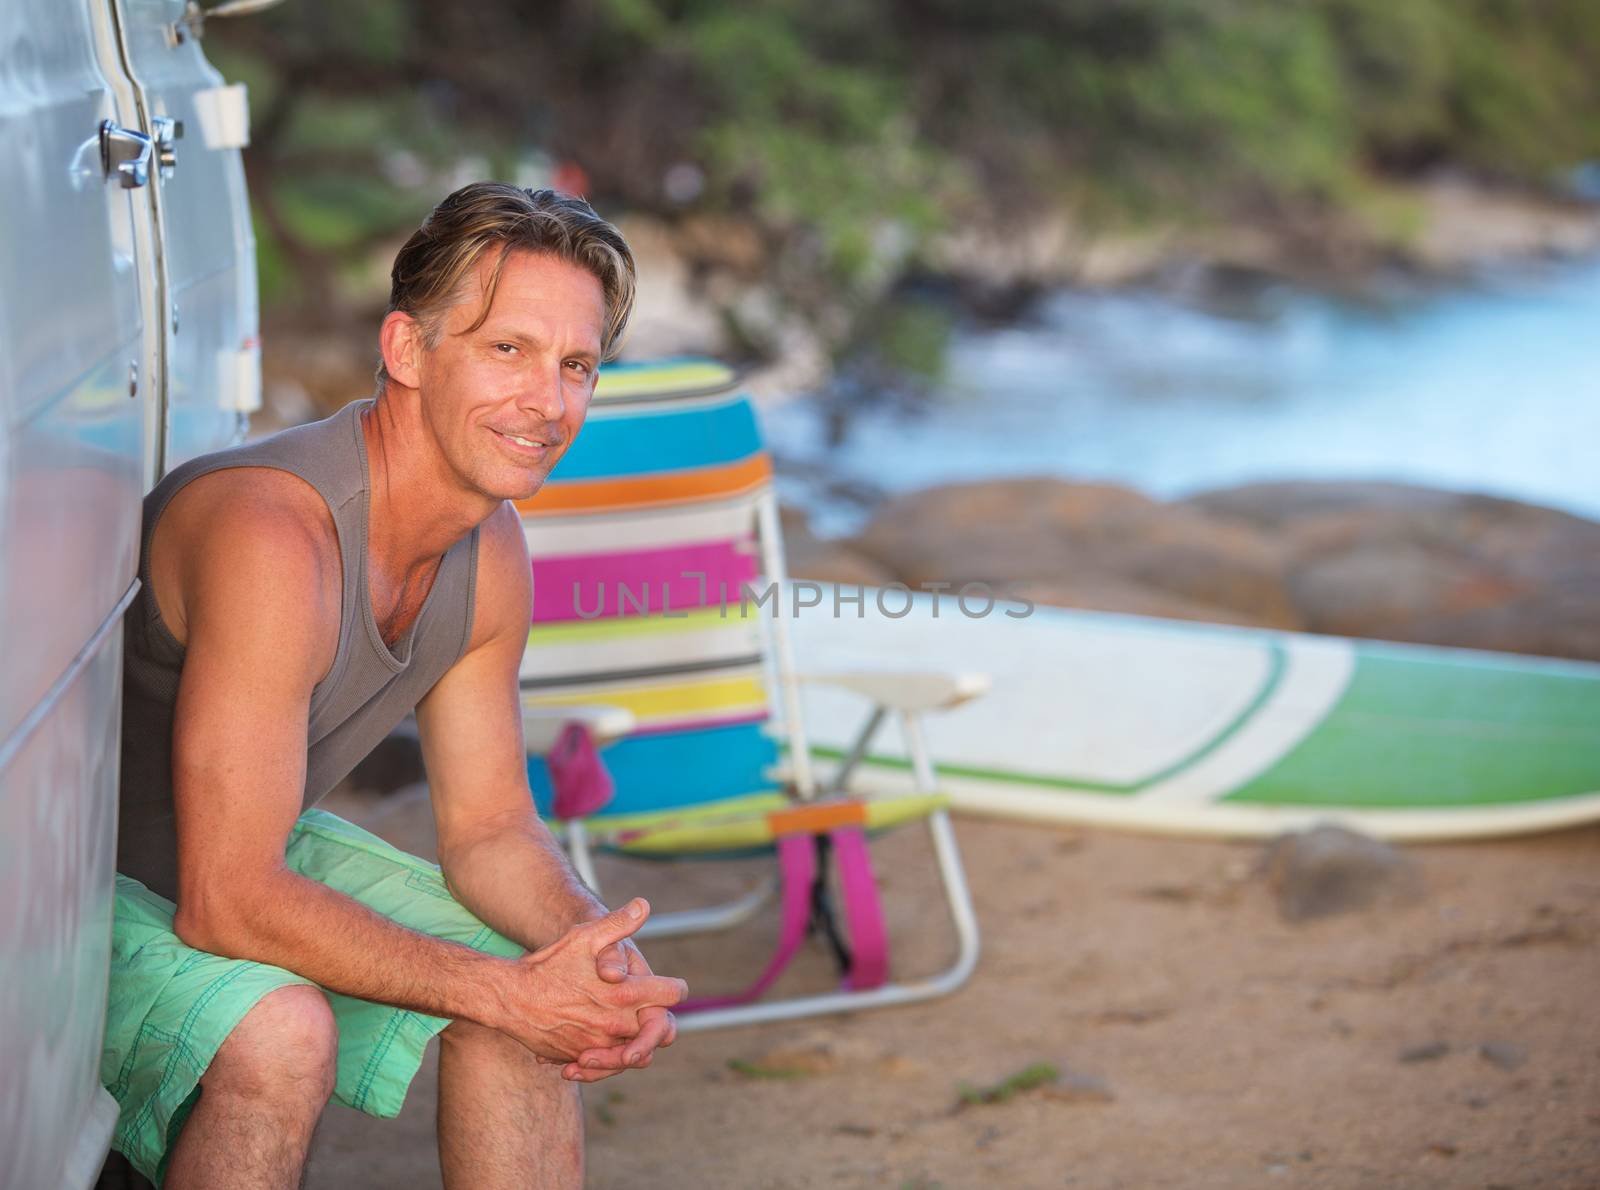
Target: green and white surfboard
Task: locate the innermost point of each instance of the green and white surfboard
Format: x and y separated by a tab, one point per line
1150	724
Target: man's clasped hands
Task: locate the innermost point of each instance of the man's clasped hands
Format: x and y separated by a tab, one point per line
589	1001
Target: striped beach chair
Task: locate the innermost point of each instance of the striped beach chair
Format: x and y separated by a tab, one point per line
659	622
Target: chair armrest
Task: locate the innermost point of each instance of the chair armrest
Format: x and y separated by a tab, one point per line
905	690
542	725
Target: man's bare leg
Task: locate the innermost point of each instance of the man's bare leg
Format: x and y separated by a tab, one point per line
505	1119
261	1097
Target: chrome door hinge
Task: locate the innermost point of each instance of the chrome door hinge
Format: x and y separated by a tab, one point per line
168	132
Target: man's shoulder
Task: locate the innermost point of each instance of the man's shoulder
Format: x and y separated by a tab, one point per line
248	542
251	509
299	471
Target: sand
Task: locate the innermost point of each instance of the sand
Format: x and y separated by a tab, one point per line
1199	1039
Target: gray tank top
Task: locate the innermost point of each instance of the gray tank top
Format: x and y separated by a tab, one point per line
369	688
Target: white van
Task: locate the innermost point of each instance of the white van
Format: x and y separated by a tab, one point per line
128	329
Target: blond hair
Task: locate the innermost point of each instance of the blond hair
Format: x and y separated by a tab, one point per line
430	271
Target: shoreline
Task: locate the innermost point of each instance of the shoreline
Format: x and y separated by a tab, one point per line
701	277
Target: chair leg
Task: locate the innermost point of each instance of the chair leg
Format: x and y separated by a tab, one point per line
858	749
582	855
715	917
682	921
962	916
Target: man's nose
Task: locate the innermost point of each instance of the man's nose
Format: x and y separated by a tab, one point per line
542	394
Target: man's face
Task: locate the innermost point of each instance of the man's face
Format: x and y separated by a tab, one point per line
506	400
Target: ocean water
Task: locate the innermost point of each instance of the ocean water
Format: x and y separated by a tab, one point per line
1491	387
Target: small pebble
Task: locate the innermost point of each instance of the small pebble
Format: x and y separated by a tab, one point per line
1425	1053
1507	1055
1328	870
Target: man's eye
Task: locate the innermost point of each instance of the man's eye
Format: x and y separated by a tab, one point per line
505	348
578	366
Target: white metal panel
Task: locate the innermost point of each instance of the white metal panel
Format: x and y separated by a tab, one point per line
70	337
58	815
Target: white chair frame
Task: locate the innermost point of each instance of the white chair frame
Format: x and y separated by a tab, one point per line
908	695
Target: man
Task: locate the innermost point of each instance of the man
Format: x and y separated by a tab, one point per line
301	595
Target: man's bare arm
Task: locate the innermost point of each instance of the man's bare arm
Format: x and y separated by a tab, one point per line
254	601
498	857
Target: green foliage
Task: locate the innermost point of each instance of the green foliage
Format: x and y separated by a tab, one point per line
1039	1074
851	132
756	1070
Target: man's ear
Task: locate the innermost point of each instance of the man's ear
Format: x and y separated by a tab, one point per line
400	340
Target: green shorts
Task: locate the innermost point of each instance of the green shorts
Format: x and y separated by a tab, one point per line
171	1006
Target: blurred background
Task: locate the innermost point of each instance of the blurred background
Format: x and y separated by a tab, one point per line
1241	311
1168	256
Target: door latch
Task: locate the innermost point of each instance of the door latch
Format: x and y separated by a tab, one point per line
125	153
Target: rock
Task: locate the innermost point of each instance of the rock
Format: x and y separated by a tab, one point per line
1328	870
826	561
1379	560
1047	249
1225	563
1065	536
1391	590
1279	505
1507	1055
1406	563
1000	530
672	314
1469	226
1425	1053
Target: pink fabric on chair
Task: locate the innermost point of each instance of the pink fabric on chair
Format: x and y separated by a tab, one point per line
579	778
672	580
797	860
863	911
869	942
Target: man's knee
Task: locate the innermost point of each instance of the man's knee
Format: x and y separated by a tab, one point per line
477	1039
287	1046
474	1043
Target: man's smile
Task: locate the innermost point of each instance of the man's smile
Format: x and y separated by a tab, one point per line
525	446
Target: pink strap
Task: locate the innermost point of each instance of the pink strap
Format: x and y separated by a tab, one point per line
797	861
869	940
579	779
